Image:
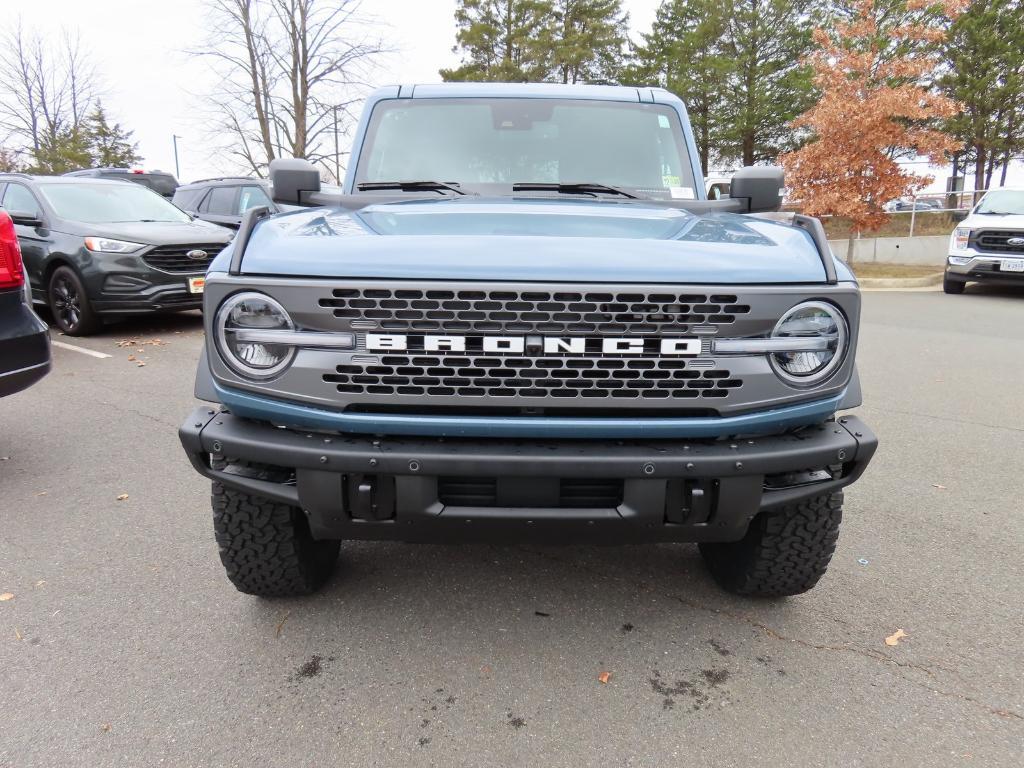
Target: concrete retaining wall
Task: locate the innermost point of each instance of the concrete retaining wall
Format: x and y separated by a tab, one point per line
896	250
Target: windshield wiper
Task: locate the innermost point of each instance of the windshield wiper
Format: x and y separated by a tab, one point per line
996	213
411	186
575	188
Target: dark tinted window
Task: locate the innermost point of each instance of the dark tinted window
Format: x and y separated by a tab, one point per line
221	201
188	199
18	198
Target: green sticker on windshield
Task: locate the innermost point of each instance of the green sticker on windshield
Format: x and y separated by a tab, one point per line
670	181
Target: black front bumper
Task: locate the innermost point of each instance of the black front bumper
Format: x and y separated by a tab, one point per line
422	489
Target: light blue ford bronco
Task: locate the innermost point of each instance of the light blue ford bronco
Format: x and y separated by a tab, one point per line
521	319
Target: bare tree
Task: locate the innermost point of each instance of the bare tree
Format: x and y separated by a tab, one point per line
287	67
45	90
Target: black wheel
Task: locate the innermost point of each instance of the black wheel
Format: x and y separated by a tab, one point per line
69	303
266	546
952	285
785	550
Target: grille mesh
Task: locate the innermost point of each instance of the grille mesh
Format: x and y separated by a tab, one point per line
520	376
551	312
172	258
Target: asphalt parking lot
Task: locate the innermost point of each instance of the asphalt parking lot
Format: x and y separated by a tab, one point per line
123	643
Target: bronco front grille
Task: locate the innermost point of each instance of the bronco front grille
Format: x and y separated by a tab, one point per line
551	312
996	241
529	377
174	258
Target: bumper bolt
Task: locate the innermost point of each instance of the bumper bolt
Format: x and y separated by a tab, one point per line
689	465
373	462
323	459
739	465
841	455
216	447
648	469
414	466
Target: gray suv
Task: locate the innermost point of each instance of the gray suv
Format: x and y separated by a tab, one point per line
95	248
223	200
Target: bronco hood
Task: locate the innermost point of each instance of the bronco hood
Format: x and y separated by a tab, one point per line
530	239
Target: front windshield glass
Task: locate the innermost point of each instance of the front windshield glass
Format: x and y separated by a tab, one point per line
1002	201
106	203
488	144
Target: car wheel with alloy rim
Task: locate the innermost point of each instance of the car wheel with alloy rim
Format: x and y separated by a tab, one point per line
69	303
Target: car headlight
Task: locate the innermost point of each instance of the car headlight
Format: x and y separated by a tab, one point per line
109	245
241	325
823	330
961	238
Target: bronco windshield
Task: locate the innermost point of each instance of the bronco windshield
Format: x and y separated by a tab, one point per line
109	202
1002	201
488	144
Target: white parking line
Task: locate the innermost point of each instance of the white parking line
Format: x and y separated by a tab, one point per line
83	350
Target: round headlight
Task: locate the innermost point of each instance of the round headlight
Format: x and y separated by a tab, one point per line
824	326
240	320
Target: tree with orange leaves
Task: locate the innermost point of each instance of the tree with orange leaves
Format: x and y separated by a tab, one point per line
875	104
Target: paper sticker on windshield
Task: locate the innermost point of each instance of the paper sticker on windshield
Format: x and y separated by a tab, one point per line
663	121
670	181
684	193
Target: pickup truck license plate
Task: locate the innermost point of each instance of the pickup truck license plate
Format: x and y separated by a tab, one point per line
196	284
1013	265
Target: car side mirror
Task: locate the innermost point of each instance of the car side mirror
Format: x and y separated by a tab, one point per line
290	177
25	218
760	185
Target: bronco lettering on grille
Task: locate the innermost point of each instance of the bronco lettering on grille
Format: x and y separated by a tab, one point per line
534	345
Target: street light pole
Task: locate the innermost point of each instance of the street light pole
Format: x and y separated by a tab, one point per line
177	170
337	163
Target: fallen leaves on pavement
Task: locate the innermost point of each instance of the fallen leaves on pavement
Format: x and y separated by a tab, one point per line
5	597
123	497
604	677
895	637
280	624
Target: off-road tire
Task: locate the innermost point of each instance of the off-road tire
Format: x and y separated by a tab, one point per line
785	551
952	285
266	547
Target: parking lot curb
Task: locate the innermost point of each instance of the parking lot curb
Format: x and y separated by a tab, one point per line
873	283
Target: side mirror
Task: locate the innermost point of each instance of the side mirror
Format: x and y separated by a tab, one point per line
25	218
290	177
760	185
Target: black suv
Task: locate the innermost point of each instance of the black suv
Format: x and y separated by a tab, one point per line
161	182
224	200
24	341
95	248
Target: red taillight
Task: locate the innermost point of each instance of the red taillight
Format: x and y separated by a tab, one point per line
12	274
137	170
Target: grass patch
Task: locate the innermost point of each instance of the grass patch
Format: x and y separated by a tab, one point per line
925	223
893	270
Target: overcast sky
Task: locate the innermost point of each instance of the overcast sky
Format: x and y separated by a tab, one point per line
155	89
